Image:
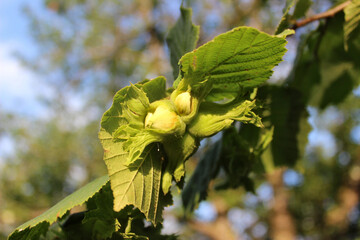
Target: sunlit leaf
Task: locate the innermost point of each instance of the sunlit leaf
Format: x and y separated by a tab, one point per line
352	19
178	150
213	117
182	38
138	185
242	57
39	225
154	88
133	184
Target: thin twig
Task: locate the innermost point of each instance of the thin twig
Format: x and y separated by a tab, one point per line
329	13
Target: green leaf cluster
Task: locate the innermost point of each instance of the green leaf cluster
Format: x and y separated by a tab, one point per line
147	136
324	74
150	131
237	153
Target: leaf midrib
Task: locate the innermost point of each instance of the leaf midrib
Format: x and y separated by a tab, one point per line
208	73
136	173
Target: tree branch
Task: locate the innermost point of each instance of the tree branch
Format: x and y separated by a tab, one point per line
329	13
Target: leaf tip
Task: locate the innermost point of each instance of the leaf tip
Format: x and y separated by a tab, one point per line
285	33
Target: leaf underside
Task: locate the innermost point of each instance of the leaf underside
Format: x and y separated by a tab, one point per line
138	186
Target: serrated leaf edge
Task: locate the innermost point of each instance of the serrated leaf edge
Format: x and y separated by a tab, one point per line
26	225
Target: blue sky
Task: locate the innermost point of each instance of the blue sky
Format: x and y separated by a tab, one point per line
18	86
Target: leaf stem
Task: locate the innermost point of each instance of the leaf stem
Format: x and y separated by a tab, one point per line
128	226
329	13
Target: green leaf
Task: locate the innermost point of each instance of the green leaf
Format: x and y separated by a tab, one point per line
134	106
136	145
301	7
264	141
73	228
338	90
242	57
196	188
352	19
321	76
286	111
306	71
178	150
155	89
125	120
285	33
102	216
182	38
134	162
337	66
236	153
218	95
237	158
39	225
241	154
134	185
285	21
213	117
140	94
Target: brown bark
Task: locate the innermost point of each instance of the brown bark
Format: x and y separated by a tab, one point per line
329	13
281	222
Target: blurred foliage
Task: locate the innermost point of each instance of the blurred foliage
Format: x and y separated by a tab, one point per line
87	50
